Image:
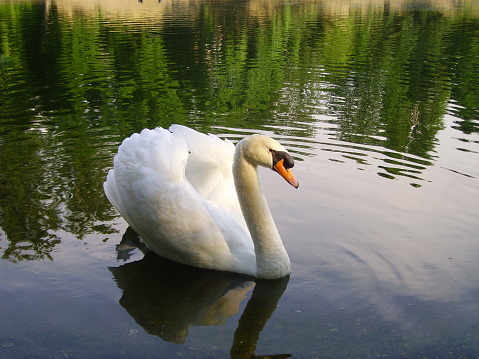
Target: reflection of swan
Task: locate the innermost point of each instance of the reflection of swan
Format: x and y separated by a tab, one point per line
167	303
176	296
193	198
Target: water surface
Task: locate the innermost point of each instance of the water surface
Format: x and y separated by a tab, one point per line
376	100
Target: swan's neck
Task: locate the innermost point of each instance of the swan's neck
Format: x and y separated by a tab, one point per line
272	261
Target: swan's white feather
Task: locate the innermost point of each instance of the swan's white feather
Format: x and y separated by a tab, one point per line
175	189
209	169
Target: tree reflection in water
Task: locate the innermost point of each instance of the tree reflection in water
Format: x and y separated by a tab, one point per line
166	298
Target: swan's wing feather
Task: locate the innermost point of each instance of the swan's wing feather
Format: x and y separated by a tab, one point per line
209	159
149	188
209	169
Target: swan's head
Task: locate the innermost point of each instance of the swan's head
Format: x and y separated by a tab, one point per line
264	151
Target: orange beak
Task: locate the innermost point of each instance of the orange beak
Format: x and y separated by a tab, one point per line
286	173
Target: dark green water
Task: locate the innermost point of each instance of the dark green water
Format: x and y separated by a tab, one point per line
379	104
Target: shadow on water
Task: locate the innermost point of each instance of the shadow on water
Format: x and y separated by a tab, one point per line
166	298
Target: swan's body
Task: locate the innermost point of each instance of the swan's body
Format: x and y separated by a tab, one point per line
194	199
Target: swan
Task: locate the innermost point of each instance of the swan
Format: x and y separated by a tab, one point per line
196	199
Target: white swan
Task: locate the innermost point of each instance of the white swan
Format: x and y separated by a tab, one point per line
196	200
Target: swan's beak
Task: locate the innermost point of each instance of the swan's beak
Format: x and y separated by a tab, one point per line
286	173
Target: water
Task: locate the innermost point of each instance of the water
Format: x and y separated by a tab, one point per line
378	103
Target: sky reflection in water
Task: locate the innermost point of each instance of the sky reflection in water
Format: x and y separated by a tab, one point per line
377	101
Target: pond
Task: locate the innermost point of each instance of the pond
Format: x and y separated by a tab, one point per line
378	103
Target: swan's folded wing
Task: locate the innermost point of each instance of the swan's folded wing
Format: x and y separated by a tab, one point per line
149	188
209	169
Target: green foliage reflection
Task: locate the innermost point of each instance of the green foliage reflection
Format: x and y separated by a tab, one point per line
72	86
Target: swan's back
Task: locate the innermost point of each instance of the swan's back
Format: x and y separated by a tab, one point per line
175	189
